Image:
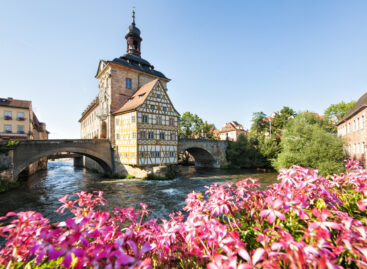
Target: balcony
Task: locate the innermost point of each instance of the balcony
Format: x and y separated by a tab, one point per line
21	118
8	117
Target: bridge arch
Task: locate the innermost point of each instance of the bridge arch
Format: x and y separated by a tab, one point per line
202	157
207	153
28	152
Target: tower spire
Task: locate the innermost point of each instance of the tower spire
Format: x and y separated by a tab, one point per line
133	38
134	16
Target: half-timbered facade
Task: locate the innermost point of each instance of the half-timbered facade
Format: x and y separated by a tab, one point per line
146	127
133	109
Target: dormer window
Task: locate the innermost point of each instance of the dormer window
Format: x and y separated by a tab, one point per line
128	83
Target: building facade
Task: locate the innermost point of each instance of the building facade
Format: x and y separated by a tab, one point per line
19	122
353	131
231	131
133	109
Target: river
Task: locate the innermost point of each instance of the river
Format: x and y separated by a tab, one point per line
42	190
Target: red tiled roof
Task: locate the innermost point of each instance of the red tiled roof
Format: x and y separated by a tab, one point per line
10	102
232	126
138	97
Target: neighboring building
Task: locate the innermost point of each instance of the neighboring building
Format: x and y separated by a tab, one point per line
18	121
354	132
133	109
231	131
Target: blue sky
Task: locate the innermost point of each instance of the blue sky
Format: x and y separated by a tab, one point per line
226	59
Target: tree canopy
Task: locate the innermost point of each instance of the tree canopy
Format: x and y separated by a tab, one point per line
336	112
243	154
306	142
191	125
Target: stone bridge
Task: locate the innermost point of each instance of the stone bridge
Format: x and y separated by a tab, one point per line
207	153
30	151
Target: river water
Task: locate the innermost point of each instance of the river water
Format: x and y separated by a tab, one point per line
42	190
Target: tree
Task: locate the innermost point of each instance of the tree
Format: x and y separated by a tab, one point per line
258	123
207	130
281	119
307	143
191	125
243	154
336	112
267	135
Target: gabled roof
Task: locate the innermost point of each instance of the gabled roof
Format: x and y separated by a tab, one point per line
10	102
138	97
361	103
232	126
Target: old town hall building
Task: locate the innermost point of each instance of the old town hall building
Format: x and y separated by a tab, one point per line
133	109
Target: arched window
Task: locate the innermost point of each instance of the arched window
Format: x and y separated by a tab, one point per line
135	44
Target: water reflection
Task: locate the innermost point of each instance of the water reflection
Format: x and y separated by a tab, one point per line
42	190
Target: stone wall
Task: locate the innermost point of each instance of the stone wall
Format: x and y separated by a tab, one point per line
37	166
6	166
92	165
124	169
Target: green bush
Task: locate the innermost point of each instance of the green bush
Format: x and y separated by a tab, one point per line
306	143
170	174
243	154
12	144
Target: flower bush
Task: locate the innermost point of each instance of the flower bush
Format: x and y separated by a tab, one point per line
304	221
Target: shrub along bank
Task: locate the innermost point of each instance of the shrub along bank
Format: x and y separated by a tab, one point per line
305	140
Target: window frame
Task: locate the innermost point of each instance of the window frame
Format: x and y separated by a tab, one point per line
145	119
20	131
128	83
8	115
19	117
8	130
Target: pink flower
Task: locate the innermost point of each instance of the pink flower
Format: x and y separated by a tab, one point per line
252	261
272	213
